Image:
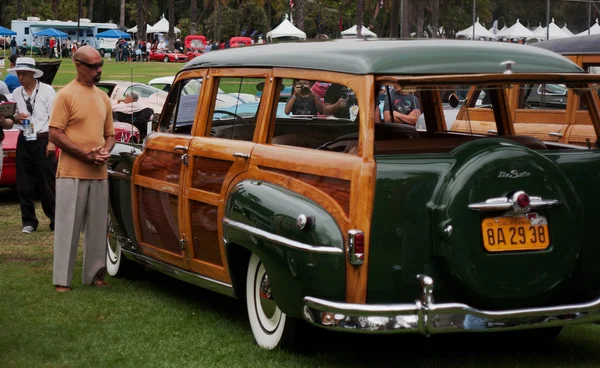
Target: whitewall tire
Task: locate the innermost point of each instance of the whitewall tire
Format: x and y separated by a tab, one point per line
113	253
271	327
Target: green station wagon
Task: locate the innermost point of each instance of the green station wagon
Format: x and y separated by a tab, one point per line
333	216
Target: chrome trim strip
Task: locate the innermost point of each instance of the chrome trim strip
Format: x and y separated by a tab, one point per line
505	204
189	277
280	239
427	318
118	175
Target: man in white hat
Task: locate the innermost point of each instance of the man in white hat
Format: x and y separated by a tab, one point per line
36	160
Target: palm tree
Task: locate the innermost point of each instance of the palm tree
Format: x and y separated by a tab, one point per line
55	9
435	17
193	16
141	18
360	14
299	18
420	18
171	23
91	10
122	15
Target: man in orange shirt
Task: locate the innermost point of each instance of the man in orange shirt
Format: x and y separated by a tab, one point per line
81	126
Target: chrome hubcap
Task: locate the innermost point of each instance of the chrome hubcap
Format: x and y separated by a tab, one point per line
267	302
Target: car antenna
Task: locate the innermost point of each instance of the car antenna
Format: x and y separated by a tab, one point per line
131	76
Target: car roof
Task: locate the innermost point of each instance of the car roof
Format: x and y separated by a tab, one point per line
162	80
577	45
392	57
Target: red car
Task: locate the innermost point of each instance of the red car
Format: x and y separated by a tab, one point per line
167	56
9	162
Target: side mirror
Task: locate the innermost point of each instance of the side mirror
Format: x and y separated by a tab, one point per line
453	100
260	86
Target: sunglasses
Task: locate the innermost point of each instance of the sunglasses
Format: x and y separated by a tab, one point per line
91	66
28	105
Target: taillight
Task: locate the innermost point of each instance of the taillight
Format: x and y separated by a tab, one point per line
356	247
521	200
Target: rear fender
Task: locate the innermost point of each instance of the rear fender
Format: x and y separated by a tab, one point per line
262	218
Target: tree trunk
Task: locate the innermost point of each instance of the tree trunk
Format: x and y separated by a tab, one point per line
394	15
171	23
193	16
435	17
91	10
218	20
360	14
54	9
299	18
141	20
122	15
420	18
19	9
405	6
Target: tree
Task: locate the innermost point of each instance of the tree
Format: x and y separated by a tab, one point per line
299	17
420	18
141	18
122	15
193	16
435	17
171	23
90	10
55	9
360	13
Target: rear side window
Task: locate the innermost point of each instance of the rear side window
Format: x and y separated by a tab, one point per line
315	114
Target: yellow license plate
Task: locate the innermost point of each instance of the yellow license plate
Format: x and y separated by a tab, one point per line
506	234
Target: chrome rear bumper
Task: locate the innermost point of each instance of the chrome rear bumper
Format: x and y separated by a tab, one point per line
428	318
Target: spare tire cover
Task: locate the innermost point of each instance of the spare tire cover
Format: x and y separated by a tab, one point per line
492	168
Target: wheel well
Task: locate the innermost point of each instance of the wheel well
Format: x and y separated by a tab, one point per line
238	258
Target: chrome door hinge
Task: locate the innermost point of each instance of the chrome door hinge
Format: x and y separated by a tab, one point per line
184	159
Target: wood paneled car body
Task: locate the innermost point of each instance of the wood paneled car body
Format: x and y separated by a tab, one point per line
545	111
330	217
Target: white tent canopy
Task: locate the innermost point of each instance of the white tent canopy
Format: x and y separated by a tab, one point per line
351	32
555	31
480	32
162	26
567	31
286	29
517	30
595	29
539	33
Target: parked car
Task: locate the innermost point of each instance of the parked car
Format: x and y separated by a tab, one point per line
167	56
9	160
542	110
151	96
351	225
239	41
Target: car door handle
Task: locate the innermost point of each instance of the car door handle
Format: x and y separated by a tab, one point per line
182	149
556	134
492	131
243	155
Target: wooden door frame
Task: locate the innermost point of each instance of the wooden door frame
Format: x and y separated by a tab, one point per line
202	145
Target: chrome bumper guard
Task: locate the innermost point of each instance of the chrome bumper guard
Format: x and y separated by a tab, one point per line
428	318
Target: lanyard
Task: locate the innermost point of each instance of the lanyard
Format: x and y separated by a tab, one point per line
28	102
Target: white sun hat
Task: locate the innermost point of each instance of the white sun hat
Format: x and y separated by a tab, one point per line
26	64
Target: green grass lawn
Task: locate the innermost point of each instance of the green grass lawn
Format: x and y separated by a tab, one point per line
154	321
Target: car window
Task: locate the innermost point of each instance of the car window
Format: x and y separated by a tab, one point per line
315	114
106	89
232	117
547	96
142	90
181	109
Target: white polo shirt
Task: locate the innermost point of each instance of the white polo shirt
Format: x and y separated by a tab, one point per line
42	98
